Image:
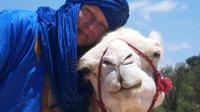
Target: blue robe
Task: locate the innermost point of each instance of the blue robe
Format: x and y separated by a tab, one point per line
21	72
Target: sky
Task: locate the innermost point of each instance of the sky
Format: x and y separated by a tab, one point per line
178	21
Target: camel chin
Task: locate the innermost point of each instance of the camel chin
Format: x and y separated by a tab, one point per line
127	83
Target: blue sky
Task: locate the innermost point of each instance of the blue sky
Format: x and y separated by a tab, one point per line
177	20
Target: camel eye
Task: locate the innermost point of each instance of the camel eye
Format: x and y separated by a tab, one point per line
84	71
156	54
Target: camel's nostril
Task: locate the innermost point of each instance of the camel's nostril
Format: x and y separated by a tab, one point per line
128	56
128	60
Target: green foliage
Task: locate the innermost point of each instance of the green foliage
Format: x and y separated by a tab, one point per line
184	97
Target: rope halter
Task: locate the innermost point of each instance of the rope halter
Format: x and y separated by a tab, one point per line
163	84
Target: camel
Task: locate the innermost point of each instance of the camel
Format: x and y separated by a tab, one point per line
126	79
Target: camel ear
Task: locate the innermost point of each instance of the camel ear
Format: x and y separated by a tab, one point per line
155	36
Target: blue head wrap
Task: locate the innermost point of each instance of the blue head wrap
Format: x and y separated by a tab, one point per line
116	12
58	31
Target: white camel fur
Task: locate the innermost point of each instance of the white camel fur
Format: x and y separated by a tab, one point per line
127	79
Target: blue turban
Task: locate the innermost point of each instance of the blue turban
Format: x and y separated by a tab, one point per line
116	12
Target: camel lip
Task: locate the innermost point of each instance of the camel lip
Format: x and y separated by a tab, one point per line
138	85
122	89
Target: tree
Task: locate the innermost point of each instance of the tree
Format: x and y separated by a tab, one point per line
184	96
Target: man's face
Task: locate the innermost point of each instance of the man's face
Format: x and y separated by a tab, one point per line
91	25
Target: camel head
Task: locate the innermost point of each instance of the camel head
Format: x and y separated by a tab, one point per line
126	79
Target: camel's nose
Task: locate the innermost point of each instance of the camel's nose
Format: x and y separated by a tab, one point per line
127	71
129	77
125	64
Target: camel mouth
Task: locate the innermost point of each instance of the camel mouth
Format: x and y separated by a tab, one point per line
136	86
126	93
132	88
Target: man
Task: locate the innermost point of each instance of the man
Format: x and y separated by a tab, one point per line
45	42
